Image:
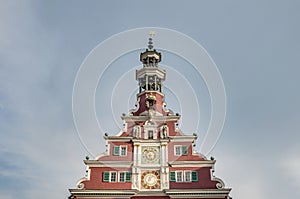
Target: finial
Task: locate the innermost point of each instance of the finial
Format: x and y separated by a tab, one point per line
150	43
152	33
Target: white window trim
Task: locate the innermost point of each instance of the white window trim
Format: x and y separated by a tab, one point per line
119	173
110	172
120	152
182	180
180	153
189	175
180	146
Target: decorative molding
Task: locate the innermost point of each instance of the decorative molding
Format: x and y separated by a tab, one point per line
80	181
115	164
197	193
144	118
183	138
80	186
137	104
118	138
102	193
220	184
200	163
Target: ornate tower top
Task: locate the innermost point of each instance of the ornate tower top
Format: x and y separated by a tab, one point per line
150	58
150	77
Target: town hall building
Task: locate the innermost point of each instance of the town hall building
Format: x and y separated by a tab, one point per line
151	157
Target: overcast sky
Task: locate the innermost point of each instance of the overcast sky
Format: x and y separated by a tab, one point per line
255	45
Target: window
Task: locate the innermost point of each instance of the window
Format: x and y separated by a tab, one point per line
113	176
178	176
123	150
105	176
181	150
109	176
183	176
177	150
184	150
122	176
125	176
116	150
150	134
120	150
187	176
172	176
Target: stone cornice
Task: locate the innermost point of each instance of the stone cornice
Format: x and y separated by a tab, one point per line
172	193
114	164
197	193
200	163
101	193
118	138
131	118
186	138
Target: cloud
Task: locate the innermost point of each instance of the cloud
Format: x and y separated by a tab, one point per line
290	164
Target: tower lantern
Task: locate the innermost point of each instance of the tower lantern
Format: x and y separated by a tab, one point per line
150	77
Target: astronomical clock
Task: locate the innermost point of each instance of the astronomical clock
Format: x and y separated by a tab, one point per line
150	180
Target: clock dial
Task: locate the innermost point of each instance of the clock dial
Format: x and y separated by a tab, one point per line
151	180
150	154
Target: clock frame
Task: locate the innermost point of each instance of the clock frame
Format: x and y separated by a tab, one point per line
150	180
150	154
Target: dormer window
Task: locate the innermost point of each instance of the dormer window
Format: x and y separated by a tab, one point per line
120	150
180	150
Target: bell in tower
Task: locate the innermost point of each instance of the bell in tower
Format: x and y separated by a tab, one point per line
150	77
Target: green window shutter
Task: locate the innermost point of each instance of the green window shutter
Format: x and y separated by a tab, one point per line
194	176
184	150
172	176
128	176
105	176
116	150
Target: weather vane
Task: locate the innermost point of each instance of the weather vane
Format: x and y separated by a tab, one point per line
152	33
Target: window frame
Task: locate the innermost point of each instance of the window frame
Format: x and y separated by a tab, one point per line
193	175
175	150
185	175
110	176
122	147
117	150
183	150
181	176
150	134
119	176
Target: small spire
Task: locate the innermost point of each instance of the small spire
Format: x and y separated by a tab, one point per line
150	43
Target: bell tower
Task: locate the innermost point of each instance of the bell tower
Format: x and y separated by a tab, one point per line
150	77
150	169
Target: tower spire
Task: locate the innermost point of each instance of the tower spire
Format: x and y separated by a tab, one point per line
150	43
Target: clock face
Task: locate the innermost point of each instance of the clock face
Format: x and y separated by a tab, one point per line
150	154
150	180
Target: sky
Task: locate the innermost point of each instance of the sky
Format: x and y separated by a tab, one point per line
255	45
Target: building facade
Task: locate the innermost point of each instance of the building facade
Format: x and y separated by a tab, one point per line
151	157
